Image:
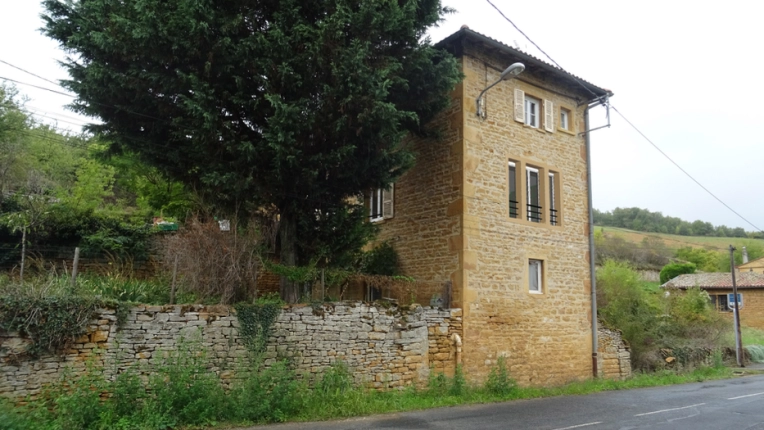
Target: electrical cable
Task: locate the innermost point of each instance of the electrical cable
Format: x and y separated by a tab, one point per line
625	119
30	73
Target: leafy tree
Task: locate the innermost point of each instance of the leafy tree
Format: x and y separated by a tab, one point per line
672	270
704	259
287	104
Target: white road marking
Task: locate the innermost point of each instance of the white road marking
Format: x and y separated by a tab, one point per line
747	395
668	410
580	425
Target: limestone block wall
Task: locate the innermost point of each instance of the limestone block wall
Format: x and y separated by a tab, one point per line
752	312
384	348
545	337
614	358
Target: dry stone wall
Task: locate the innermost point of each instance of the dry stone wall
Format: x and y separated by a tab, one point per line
614	358
383	347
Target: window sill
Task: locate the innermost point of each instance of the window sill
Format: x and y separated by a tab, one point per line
535	224
536	293
566	131
376	219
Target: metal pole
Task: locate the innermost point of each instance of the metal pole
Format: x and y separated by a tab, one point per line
75	265
736	312
592	268
174	275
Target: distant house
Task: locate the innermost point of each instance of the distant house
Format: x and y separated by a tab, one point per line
750	287
756	265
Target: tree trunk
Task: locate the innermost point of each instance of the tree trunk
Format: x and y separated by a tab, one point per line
290	290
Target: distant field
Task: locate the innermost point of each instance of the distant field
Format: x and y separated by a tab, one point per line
675	241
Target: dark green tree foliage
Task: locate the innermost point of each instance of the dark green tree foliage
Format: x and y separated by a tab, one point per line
672	270
655	222
296	105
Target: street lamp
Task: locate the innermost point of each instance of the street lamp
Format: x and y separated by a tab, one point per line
508	73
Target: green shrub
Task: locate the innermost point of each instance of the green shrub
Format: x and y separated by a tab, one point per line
50	322
269	395
499	383
672	270
336	380
458	383
382	260
624	305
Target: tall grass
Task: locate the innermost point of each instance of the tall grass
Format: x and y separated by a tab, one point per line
181	393
114	287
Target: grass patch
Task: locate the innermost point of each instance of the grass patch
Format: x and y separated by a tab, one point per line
752	336
181	394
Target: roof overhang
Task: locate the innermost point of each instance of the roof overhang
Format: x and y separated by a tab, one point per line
454	44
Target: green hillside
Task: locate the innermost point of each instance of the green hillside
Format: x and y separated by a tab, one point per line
654	250
675	241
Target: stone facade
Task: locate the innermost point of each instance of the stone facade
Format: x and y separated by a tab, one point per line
452	220
383	347
614	358
752	312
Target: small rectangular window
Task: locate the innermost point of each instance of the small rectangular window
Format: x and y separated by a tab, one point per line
535	276
552	202
513	202
564	119
375	205
534	201
532	111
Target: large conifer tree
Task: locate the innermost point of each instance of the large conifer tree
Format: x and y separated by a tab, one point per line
295	105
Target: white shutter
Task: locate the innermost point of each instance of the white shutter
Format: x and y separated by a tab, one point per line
548	115
519	105
387	202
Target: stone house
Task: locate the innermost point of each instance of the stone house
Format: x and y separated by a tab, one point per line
756	265
750	286
496	208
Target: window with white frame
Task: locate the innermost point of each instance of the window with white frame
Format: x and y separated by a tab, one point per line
528	111
535	276
534	193
564	119
552	199
381	204
532	106
514	204
533	203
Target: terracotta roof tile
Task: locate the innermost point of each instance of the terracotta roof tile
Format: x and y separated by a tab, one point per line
744	280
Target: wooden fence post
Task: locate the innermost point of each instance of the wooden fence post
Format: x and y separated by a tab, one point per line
174	276
75	265
23	253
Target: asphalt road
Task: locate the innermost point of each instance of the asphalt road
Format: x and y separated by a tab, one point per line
726	404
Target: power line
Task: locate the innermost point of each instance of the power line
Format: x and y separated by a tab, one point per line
30	73
74	97
625	119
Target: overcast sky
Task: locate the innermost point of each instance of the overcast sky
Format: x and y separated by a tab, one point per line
685	73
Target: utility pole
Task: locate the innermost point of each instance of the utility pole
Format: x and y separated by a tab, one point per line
736	312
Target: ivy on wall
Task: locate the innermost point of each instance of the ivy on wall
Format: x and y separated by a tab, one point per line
256	323
52	323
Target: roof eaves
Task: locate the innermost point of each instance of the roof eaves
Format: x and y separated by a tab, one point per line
467	33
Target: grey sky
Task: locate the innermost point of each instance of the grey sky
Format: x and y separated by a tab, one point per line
686	73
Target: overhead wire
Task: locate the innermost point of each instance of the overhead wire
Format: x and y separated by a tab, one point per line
625	119
30	73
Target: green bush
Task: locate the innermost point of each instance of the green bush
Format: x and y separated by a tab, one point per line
682	321
382	260
624	305
672	270
269	395
498	382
